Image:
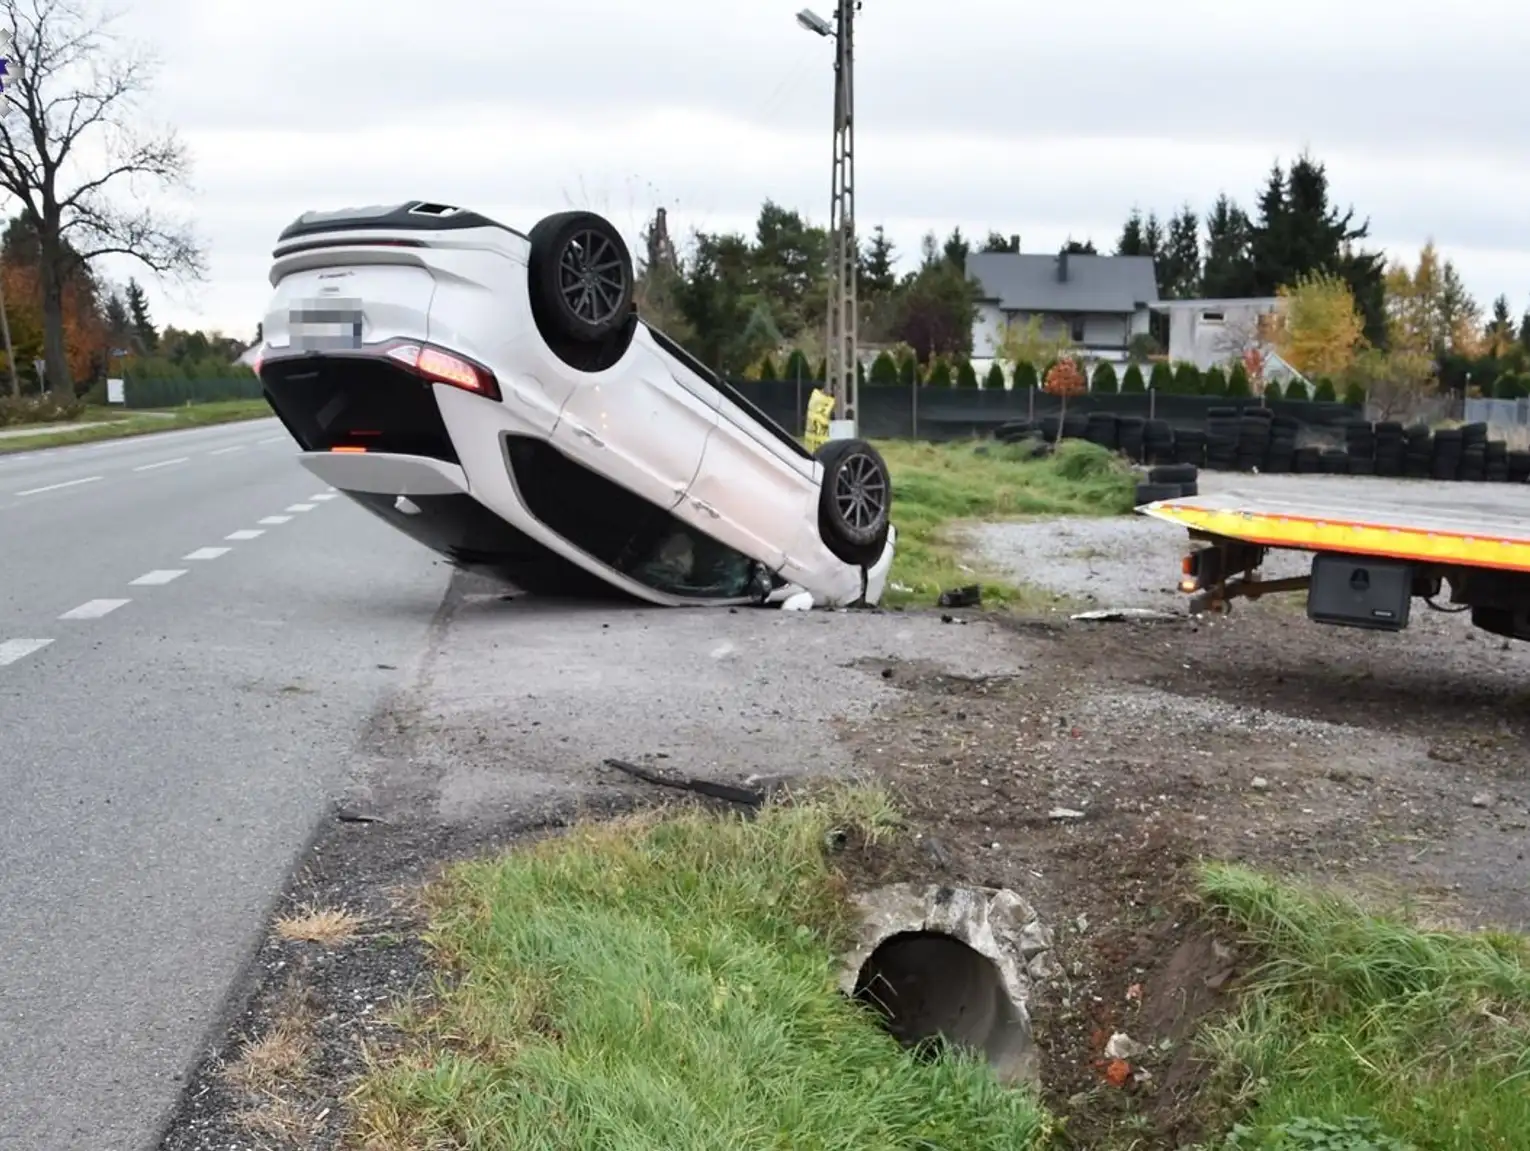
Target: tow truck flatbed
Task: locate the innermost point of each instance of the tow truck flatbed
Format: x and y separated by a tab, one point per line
1376	547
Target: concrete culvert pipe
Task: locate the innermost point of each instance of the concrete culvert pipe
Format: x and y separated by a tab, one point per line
953	965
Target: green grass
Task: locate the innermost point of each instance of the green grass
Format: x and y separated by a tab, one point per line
666	983
937	487
1371	1021
124	424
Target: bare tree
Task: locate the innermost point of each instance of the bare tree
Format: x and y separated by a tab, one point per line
1238	335
71	132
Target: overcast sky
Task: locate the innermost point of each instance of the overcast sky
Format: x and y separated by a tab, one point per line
1048	120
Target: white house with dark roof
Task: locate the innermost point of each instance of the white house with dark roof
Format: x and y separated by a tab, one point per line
1099	302
1209	333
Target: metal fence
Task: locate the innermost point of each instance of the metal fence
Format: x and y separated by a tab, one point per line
1499	413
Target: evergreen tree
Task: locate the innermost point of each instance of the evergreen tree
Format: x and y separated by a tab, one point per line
884	370
1179	266
797	367
138	313
908	373
1238	381
995	379
876	275
957	249
1132	382
767	369
1187	379
1025	376
1272	392
1105	379
1161	379
1324	393
998	242
966	375
1216	383
1228	272
940	373
1354	394
1131	242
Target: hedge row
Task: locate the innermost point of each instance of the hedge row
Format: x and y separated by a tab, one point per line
1182	379
171	393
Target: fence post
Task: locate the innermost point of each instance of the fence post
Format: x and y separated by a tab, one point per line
1152	403
913	392
1030	404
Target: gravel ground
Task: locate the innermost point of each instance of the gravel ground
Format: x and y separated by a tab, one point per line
1086	765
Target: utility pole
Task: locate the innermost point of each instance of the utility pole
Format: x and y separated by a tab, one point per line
843	359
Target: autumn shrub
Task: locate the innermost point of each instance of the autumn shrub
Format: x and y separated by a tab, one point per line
1105	381
995	379
1132	382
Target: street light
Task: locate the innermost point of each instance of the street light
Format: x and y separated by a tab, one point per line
843	382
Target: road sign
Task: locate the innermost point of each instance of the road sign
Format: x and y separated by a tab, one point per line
115	393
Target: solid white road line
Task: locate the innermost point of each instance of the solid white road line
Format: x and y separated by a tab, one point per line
60	487
95	609
207	553
301	508
245	534
226	451
157	578
162	464
13	649
274	520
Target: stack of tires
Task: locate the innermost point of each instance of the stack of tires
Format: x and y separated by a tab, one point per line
1190	447
1168	482
1222	439
1418	454
1131	438
1360	447
1282	454
1158	443
1391	448
1309	461
1518	466
1473	453
1253	439
1496	462
1102	428
1445	460
1334	462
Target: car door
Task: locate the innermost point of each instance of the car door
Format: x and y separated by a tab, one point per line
753	495
637	427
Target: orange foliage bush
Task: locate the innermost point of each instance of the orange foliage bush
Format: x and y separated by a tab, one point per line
1066	378
84	331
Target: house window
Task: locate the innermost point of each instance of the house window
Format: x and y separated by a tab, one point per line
1212	317
1077	329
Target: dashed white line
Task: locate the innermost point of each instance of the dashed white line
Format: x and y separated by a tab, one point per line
158	577
245	534
273	440
207	553
301	508
60	487
272	521
13	649
324	496
162	464
95	609
226	451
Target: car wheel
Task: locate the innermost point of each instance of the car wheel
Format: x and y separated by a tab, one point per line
855	501
581	283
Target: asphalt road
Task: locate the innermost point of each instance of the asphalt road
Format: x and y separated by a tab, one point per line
193	633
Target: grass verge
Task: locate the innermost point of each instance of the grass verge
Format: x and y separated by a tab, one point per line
666	982
937	487
1364	1031
123	424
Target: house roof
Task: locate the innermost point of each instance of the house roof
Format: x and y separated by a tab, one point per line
1030	283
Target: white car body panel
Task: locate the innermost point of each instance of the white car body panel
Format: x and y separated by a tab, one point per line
649	423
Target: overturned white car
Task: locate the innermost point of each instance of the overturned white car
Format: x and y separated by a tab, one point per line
496	396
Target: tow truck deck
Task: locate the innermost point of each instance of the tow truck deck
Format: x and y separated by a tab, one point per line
1375	549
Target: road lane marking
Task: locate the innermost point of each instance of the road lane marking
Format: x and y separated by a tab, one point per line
323	496
60	487
245	534
207	553
162	464
157	578
13	649
274	440
301	508
226	451
95	609
274	520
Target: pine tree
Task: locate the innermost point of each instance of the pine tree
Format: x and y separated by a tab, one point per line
1272	392
767	370
1132	383
1179	266
908	373
138	312
940	373
1025	376
1354	394
1105	379
1187	379
1161	379
1324	393
995	378
884	370
797	367
1238	383
1216	383
966	375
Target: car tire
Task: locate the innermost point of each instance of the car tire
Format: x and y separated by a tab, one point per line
855	501
581	282
1151	493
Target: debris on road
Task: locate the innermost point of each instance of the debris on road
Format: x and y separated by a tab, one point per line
969	596
746	797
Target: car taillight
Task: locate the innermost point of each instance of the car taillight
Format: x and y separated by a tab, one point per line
444	368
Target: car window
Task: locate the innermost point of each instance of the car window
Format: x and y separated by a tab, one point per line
688	563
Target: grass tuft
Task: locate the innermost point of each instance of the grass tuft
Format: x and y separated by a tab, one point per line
1363	1017
937	487
279	1058
326	926
667	982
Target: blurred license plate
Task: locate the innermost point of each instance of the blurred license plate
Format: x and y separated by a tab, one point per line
327	325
